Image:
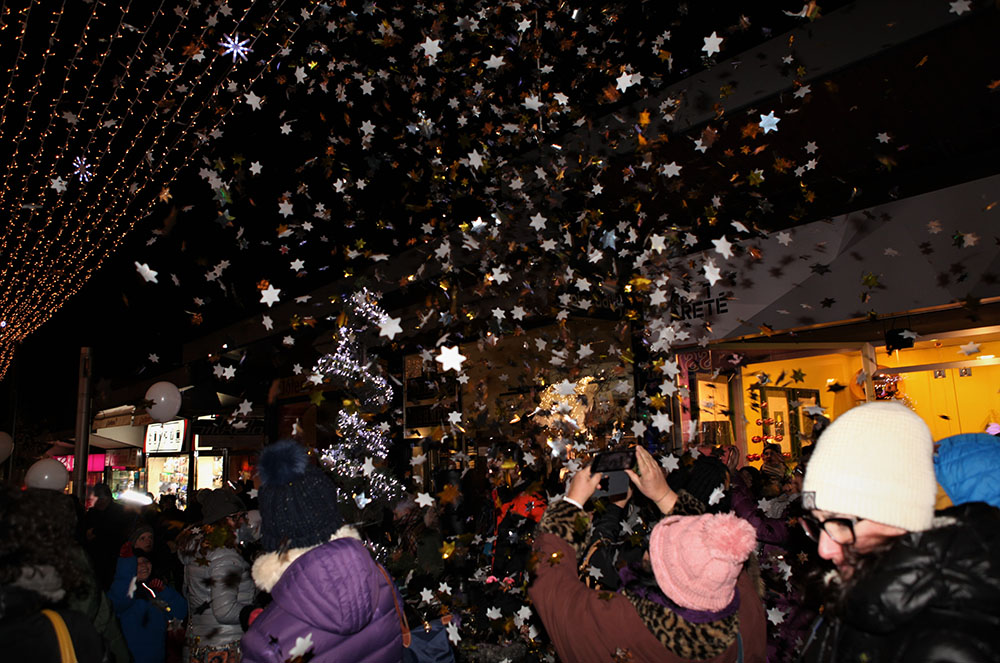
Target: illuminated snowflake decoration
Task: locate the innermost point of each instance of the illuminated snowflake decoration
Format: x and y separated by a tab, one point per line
82	169
233	46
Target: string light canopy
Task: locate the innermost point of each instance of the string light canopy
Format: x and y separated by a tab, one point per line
104	104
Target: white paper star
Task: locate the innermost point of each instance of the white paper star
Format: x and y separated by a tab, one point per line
453	635
716	496
302	645
565	388
423	499
495	62
670	462
444	588
493	613
145	272
775	616
390	327
958	7
769	122
426	595
723	247
431	48
418	460
246	407
712	44
638	429
670	169
532	102
252	100
450	359
269	295
970	348
368	467
784	238
712	273
661	421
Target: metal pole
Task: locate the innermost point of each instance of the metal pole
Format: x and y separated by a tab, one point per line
82	451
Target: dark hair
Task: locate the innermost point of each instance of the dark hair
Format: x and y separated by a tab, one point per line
36	529
102	490
862	565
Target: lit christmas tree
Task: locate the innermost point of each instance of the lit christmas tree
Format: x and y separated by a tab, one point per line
360	446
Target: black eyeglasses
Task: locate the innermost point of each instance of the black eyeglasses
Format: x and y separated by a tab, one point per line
840	529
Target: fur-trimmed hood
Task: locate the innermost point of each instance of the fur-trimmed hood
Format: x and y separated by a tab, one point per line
269	567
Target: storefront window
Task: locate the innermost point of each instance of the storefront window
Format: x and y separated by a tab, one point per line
209	472
168	475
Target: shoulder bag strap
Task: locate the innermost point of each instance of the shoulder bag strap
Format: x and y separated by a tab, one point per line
404	627
66	650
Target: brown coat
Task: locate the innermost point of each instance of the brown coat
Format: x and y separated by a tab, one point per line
588	625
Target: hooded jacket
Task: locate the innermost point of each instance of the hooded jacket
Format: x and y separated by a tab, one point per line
26	634
144	617
332	600
933	596
217	585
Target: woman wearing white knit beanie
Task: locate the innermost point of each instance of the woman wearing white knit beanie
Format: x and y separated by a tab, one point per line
913	585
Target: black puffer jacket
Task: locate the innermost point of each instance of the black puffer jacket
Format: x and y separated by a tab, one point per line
934	596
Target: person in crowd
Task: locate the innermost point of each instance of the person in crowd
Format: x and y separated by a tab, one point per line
966	467
518	504
910	585
217	580
36	577
691	600
330	600
145	604
773	462
305	543
106	525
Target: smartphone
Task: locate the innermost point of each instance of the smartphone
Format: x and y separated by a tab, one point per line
613	461
612	464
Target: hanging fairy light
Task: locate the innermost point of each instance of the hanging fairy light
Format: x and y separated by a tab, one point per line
104	104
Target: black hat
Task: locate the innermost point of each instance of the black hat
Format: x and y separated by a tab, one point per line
297	500
706	474
219	503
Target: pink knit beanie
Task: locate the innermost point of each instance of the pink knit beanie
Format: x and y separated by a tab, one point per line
697	559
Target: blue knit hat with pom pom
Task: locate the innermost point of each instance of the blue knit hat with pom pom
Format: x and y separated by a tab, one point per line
297	500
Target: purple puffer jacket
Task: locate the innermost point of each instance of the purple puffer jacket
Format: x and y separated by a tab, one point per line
334	602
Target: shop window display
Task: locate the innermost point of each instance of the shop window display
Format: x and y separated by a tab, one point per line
168	475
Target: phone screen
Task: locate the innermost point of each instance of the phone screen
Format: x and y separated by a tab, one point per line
613	461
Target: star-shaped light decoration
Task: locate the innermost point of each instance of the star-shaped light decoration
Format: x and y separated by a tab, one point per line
82	169
450	359
233	46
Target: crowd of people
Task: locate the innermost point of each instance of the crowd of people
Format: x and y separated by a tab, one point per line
876	545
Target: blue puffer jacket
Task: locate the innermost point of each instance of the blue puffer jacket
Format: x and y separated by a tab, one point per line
332	601
144	617
966	467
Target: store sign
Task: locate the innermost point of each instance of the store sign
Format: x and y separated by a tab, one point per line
921	252
121	458
166	438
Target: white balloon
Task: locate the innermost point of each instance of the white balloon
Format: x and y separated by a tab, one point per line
6	446
166	398
47	473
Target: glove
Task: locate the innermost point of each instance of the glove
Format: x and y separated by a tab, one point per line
126	550
156	585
